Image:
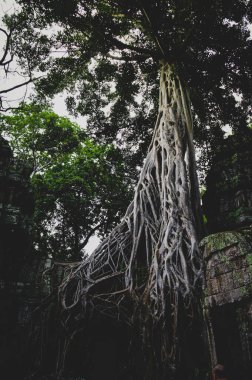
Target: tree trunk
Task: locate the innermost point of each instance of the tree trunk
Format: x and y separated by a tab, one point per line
147	270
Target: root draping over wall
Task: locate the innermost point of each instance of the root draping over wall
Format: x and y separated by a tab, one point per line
147	270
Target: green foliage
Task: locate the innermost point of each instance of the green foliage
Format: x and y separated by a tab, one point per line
204	219
39	136
106	55
82	193
208	41
79	186
249	259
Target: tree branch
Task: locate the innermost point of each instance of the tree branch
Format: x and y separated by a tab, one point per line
30	80
9	61
91	232
122	45
137	58
156	39
18	86
4	31
6	46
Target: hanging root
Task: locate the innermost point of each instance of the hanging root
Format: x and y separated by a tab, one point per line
149	266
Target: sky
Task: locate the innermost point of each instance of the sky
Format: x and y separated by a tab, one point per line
13	79
6	7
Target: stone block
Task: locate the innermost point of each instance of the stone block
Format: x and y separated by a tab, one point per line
228	260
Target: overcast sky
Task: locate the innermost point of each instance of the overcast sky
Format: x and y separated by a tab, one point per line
14	97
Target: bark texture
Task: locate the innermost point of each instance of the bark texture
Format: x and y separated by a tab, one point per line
146	271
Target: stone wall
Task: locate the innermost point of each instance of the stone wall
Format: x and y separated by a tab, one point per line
227	202
228	257
228	300
16	210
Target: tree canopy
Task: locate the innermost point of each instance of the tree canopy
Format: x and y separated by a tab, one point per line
39	136
97	41
106	55
71	179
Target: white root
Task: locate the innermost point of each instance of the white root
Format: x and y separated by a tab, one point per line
151	258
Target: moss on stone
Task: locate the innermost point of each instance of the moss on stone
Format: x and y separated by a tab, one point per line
219	241
222	240
249	258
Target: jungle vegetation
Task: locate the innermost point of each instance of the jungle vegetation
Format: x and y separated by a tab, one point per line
71	176
113	58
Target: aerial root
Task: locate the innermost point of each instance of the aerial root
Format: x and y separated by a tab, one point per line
151	260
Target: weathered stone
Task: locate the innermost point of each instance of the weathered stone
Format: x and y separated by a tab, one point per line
227	202
228	267
16	208
228	294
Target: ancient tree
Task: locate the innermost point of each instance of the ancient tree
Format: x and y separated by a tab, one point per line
147	272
